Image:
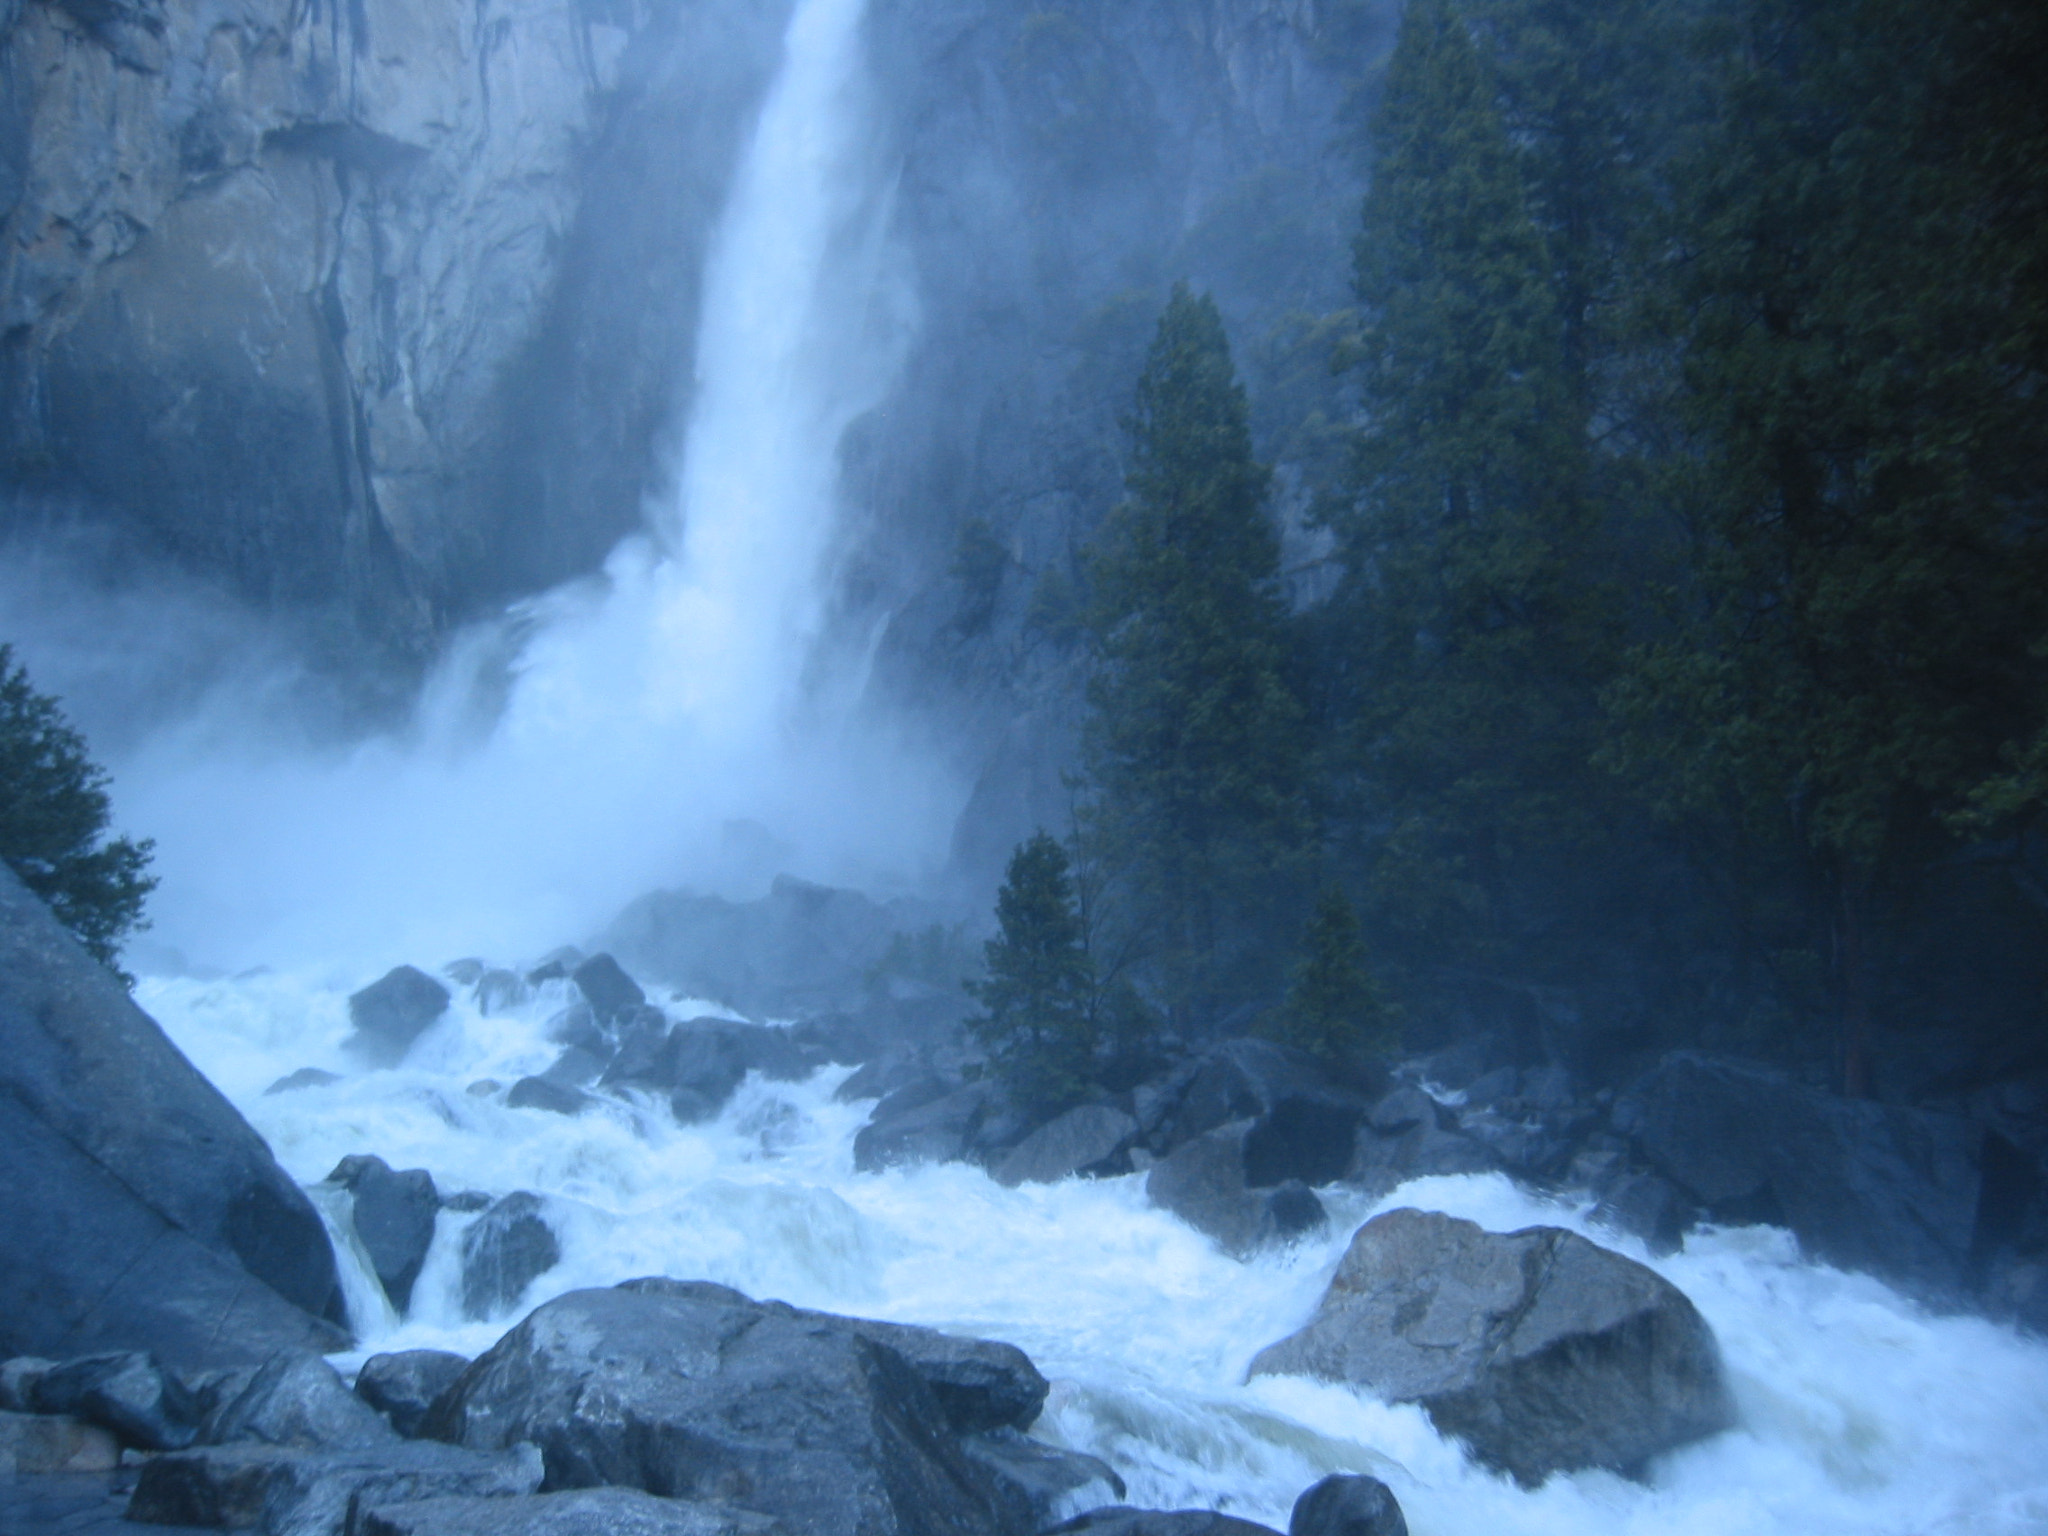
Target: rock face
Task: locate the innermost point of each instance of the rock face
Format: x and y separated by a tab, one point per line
1541	1351
140	1211
692	1391
1865	1186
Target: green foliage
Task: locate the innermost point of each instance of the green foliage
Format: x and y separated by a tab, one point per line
1038	1020
1194	743
1334	1007
1461	660
53	821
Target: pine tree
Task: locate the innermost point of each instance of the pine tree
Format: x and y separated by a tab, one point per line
53	821
1335	1009
1194	746
1464	652
1038	999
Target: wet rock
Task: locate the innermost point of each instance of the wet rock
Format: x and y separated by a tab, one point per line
403	1385
509	1247
309	1493
1865	1186
1303	1138
1240	1080
611	993
499	991
467	1202
32	1444
305	1077
1035	1483
579	1512
18	1379
1647	1207
1541	1351
556	965
1343	1505
394	1216
889	1075
140	1211
297	1401
699	1063
695	1392
128	1395
392	1012
1203	1183
576	1067
1408	1135
1092	1141
1119	1521
545	1093
980	1384
935	1132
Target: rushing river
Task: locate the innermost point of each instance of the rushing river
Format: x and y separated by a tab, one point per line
1859	1411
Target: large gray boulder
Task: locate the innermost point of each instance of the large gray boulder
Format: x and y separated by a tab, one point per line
403	1386
392	1012
1541	1351
393	1214
140	1210
1091	1141
693	1391
1347	1505
504	1251
1866	1186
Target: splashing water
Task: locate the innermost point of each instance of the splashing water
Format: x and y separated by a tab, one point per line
1860	1413
689	689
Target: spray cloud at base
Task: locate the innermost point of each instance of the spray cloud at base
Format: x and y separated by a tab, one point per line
690	716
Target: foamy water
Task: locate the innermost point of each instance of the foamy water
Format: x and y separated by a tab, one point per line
1859	1411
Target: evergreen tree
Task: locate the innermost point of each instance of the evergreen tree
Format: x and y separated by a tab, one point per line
1463	654
1038	1000
1194	746
1334	1008
53	821
1856	671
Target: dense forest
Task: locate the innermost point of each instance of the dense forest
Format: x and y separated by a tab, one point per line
1683	675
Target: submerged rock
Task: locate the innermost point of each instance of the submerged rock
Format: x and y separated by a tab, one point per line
939	1130
392	1012
1541	1351
509	1247
545	1093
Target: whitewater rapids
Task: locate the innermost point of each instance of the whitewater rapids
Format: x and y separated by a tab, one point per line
1860	1412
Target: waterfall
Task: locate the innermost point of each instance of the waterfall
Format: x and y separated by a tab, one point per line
651	711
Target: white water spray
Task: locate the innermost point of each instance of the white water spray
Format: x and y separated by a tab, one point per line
689	689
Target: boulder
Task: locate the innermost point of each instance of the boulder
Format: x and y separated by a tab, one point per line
700	1063
32	1444
402	1386
577	1067
578	1512
1303	1138
1342	1505
1408	1135
1865	1186
507	1248
695	1392
611	993
1239	1080
1035	1483
1647	1207
392	1012
297	1401
546	1093
309	1493
128	1395
1541	1351
1092	1141
394	1217
140	1211
937	1131
1120	1521
1203	1183
500	991
981	1384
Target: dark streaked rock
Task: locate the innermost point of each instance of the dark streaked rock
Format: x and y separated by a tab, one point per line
403	1386
1203	1183
509	1247
1092	1141
1348	1505
394	1217
392	1012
